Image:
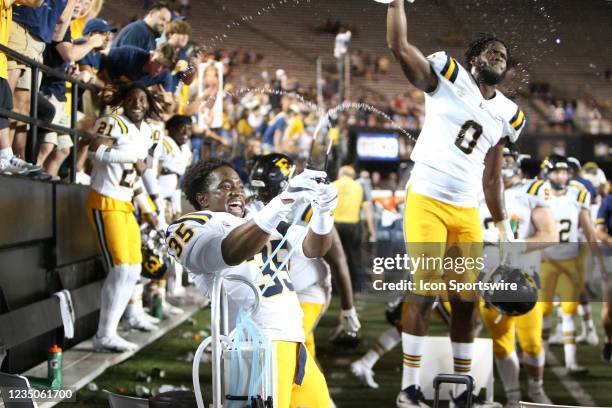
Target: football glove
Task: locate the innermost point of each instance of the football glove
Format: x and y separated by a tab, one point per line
325	199
302	188
349	321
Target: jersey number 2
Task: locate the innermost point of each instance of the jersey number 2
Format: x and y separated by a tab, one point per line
468	136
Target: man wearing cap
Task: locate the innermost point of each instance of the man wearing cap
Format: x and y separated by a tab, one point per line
91	62
142	33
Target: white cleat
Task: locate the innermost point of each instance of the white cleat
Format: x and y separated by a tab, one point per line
83	178
539	397
113	343
589	337
138	322
364	374
170	310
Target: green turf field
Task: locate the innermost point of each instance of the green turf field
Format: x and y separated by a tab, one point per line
345	390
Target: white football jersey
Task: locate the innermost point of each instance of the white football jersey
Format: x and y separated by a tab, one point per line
116	180
195	240
460	127
566	209
520	200
311	277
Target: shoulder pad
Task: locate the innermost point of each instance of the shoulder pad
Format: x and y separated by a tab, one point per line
535	187
201	218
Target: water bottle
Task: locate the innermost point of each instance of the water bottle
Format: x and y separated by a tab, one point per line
55	366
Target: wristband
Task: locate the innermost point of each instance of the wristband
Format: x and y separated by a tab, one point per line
106	155
321	223
268	218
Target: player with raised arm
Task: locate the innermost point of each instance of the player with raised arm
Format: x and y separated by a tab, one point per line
217	239
118	153
534	223
458	154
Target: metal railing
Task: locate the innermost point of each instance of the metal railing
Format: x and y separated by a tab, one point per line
33	120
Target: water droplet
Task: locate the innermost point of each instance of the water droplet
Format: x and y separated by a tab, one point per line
558	41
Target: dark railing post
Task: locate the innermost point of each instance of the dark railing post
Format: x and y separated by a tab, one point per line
75	137
33	142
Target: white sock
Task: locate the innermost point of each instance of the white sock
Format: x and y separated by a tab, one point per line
412	346
116	292
584	311
134	306
569	339
387	341
462	362
6	153
175	278
508	369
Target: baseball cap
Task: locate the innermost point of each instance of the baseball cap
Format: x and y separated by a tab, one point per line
177	17
98	25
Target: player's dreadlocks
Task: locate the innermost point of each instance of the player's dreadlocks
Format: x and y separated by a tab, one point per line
479	44
114	95
197	178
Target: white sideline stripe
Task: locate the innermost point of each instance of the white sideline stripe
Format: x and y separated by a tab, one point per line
572	386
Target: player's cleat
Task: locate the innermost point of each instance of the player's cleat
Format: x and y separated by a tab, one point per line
411	397
149	318
477	401
575	369
539	397
364	374
606	353
83	178
138	322
115	344
588	336
170	310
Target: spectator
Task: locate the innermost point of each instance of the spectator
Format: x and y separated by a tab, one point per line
243	162
366	184
275	130
277	85
135	64
557	116
60	55
177	35
340	49
31	29
594	117
347	217
9	163
142	33
91	62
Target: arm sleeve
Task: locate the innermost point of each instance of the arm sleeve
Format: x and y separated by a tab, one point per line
195	240
516	124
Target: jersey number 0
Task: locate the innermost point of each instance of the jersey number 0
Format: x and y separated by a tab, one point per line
468	136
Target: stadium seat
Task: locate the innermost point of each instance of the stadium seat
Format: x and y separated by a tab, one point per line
15	381
124	401
534	405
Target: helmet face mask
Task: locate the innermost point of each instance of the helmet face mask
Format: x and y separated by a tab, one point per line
270	176
558	179
510	166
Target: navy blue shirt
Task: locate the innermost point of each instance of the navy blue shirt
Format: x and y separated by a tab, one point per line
136	34
589	186
279	124
126	63
92	59
604	216
40	21
51	85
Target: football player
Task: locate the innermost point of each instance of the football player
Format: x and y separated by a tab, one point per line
562	274
311	277
527	202
458	154
604	229
217	239
118	153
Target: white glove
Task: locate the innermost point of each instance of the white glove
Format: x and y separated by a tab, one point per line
302	188
326	198
349	320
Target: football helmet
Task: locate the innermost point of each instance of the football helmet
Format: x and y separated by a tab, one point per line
511	302
270	175
554	163
510	170
155	258
574	166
